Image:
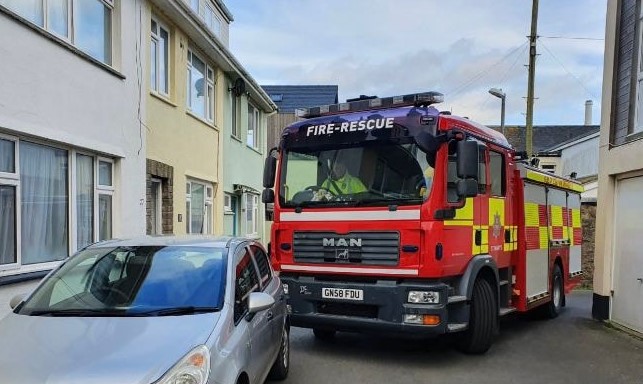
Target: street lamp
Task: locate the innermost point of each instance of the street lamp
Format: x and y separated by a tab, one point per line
497	92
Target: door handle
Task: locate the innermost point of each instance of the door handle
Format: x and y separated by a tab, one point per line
269	315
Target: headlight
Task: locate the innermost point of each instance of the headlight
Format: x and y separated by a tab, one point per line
424	297
193	368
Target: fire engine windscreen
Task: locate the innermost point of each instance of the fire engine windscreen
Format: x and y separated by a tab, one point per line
367	174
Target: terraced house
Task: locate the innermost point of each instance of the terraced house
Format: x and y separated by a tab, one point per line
115	119
205	125
72	148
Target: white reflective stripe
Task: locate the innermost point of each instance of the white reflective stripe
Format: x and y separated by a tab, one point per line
402	214
381	271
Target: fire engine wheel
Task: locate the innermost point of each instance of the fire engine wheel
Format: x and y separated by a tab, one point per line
483	319
324	334
553	308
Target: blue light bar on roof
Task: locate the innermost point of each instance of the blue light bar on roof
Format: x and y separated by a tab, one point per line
416	99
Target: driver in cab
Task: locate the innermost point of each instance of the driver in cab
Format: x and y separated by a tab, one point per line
341	182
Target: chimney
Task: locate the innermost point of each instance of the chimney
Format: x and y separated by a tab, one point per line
588	112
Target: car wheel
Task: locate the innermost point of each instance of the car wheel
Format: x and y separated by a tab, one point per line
279	370
483	320
324	334
553	308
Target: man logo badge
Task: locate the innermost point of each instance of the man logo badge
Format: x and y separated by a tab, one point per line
342	255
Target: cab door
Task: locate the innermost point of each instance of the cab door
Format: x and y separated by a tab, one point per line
501	237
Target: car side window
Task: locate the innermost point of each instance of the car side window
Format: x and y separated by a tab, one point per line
265	272
246	282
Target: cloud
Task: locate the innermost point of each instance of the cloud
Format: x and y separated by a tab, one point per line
460	48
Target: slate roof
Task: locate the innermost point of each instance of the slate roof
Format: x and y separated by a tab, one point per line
290	97
546	137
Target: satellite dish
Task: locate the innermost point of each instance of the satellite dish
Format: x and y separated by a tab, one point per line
239	87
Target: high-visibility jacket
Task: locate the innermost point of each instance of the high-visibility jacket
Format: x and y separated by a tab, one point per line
345	185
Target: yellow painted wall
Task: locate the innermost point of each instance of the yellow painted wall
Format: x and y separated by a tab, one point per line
177	138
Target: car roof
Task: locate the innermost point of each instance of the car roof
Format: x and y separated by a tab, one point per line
174	240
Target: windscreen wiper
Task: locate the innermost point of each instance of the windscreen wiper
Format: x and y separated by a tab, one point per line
177	311
77	312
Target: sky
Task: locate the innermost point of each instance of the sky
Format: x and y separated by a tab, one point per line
457	47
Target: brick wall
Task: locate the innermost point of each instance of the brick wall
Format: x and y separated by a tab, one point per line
588	218
165	173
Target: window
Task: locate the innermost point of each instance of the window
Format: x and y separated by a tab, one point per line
8	249
263	264
105	192
7	156
211	19
252	214
156	207
246	282
276	97
86	24
497	170
200	97
253	127
159	63
44	203
198	208
227	203
84	200
551	168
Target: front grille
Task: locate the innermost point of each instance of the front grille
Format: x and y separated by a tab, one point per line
367	248
347	309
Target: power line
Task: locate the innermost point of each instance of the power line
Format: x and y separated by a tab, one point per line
459	89
572	38
506	74
569	73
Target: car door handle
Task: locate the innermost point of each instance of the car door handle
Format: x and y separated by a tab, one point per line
269	315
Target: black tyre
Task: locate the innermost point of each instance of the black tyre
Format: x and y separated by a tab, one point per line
279	370
553	308
483	320
324	334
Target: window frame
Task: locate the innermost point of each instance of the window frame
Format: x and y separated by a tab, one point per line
239	257
71	26
155	36
208	202
209	83
15	175
256	119
235	116
503	174
255	214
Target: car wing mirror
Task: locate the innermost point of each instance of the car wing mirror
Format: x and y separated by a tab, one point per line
258	301
17	299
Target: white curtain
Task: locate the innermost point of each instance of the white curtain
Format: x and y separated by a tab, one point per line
44	203
84	200
104	217
7	156
7	224
197	208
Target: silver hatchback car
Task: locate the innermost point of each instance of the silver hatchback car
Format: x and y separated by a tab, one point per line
155	310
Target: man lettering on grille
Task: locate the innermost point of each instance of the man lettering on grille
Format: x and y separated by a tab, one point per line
340	182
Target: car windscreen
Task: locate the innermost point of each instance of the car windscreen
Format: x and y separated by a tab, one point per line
369	173
133	281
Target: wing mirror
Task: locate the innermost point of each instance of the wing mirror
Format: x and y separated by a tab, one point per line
17	299
258	301
467	165
467	188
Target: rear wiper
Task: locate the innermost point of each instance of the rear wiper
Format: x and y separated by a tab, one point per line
176	311
80	312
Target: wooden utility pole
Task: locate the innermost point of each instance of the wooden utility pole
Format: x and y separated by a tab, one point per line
530	82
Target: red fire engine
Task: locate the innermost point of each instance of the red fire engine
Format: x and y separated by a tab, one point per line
392	216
